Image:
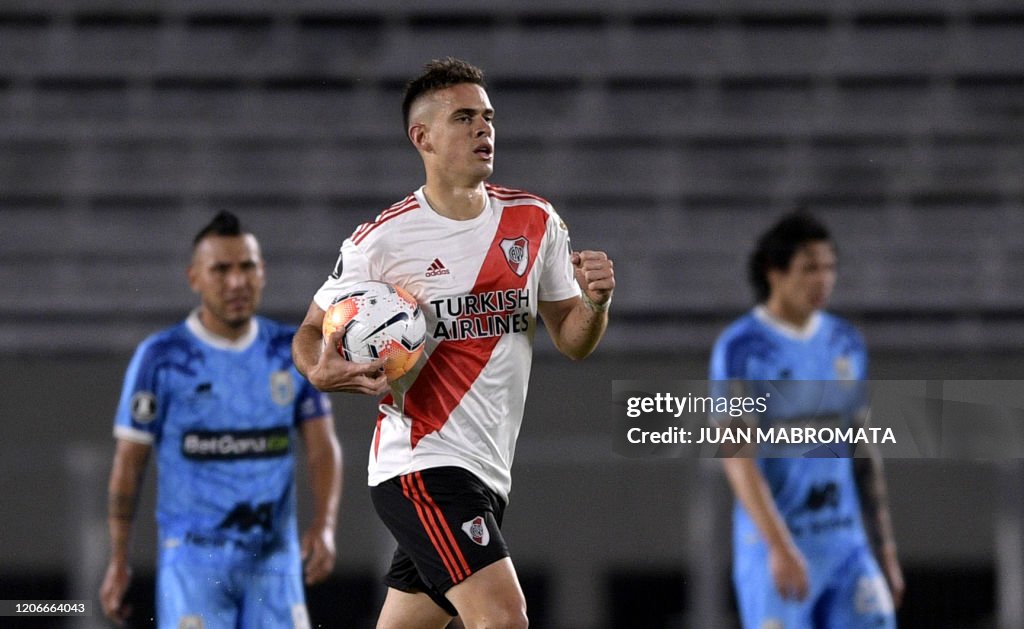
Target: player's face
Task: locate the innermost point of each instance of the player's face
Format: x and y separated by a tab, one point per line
808	282
459	133
227	274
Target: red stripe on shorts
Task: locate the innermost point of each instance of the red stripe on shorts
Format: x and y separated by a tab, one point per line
436	527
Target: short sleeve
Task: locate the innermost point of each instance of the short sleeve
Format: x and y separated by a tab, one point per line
557	280
310	403
352	266
141	408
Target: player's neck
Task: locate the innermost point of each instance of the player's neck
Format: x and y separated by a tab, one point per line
456	202
216	327
795	318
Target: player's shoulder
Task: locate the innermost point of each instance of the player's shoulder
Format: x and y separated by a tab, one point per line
507	195
390	218
741	339
170	346
839	329
277	336
271	328
515	200
741	331
166	340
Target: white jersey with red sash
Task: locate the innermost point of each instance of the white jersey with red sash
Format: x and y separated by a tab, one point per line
478	282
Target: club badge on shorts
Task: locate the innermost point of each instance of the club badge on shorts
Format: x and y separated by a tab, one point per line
477	531
517	253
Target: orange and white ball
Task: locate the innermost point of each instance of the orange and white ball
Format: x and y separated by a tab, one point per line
379	320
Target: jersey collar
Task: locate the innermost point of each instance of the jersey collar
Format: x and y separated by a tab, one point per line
786	329
421	197
196	327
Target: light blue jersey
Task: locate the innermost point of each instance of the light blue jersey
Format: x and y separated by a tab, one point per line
222	418
813	375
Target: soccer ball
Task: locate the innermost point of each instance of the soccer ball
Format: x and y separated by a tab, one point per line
379	320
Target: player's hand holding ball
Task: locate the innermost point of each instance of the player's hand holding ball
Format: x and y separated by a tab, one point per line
335	374
379	332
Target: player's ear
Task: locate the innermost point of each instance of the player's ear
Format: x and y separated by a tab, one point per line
419	137
192	273
773	276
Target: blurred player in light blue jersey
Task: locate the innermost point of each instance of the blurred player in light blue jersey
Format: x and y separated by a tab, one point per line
219	400
805	527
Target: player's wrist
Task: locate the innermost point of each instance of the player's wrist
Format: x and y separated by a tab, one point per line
319	377
118	560
782	544
325	527
594	306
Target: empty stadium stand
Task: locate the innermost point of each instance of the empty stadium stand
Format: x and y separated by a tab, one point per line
667	133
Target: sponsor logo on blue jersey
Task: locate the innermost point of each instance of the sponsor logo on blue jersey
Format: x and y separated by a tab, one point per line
210	445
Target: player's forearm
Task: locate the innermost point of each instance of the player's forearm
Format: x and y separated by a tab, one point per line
581	330
122	502
752	491
120	530
306	347
871	488
325	475
123	490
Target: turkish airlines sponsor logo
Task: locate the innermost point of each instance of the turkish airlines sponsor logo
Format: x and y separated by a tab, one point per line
482	315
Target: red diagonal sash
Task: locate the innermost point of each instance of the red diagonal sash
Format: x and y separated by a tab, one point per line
454	365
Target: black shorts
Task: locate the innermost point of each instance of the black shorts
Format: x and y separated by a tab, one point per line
447	524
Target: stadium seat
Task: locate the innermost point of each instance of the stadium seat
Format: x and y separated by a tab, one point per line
651	125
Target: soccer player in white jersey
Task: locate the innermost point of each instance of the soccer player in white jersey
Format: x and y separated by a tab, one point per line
482	261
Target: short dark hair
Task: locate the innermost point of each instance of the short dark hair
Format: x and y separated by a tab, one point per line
438	75
223	224
777	246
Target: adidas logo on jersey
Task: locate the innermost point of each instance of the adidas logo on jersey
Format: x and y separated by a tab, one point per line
437	268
